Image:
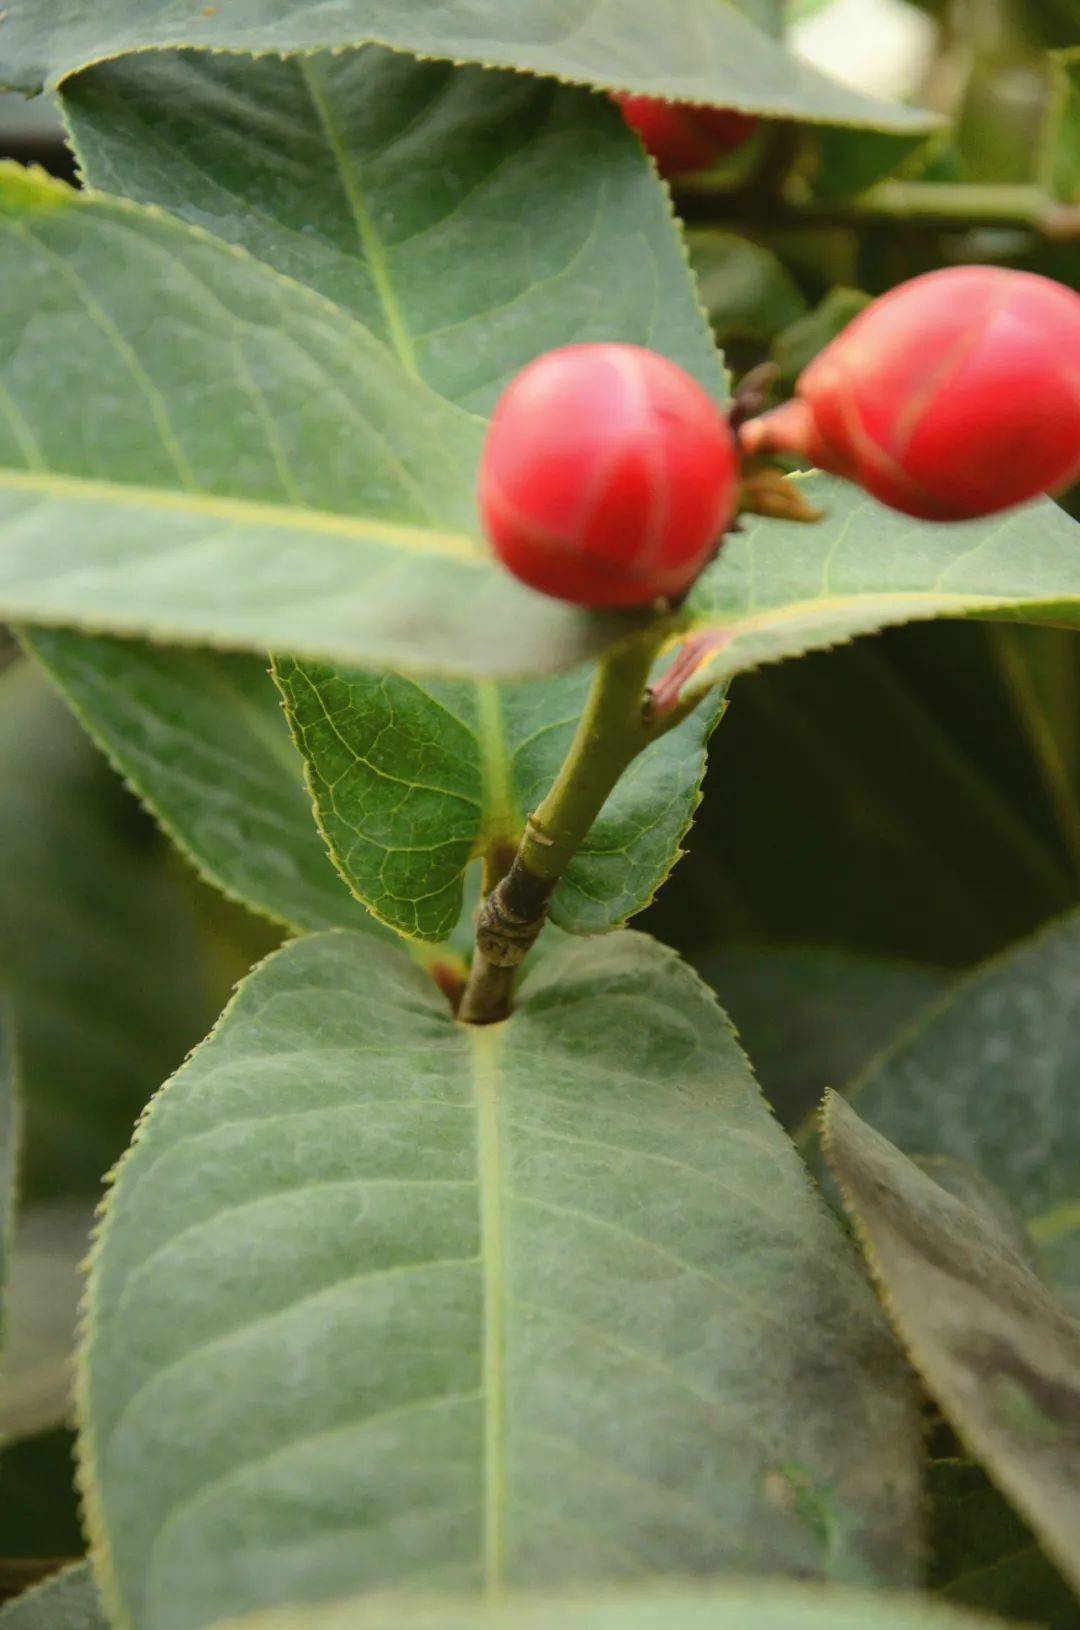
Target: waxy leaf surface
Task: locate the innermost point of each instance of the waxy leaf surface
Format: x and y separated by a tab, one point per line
378	1295
995	1349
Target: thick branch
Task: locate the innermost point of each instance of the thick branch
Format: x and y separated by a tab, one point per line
614	727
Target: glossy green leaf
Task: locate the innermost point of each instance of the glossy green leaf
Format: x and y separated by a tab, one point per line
412	780
201	738
984	1556
67	1601
782	587
994	1348
377	745
377	1296
812	1017
98	951
725	55
990	1080
367	175
713	1607
219	456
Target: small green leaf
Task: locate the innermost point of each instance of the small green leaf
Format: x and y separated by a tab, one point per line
725	55
990	1079
67	1601
98	950
200	736
994	1348
378	1294
412	780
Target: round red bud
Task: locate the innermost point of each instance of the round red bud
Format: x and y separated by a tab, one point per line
682	138
609	476
954	395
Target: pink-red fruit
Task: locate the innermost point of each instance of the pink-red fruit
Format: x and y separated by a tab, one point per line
682	138
955	395
609	476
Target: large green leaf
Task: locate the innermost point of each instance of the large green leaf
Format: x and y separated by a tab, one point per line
376	744
98	951
412	780
382	1300
469	220
67	1601
724	54
995	1349
200	737
716	1607
990	1079
216	455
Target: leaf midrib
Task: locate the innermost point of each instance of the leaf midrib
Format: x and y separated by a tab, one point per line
243	512
486	1041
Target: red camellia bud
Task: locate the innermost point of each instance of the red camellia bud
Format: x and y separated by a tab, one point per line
955	395
609	476
682	138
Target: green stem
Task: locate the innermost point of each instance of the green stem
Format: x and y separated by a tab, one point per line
615	726
956	205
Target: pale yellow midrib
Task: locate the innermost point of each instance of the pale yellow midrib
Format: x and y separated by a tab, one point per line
242	512
487	1047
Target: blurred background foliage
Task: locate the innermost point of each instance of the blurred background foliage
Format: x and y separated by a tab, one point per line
876	818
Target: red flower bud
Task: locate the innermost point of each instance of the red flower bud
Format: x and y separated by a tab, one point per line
609	476
682	138
955	395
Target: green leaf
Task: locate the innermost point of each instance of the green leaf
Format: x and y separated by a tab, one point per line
98	951
798	345
747	290
377	744
724	55
812	1017
984	1556
713	1607
67	1601
200	736
412	780
994	1348
990	1080
782	587
218	456
378	1294
380	172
